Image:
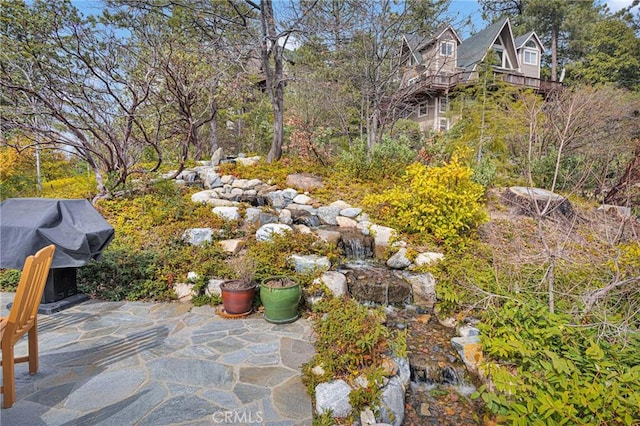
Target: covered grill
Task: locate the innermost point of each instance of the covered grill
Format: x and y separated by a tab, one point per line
78	231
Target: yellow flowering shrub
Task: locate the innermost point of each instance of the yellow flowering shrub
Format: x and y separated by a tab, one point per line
442	202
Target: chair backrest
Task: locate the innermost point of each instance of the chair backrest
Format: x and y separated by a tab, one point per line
29	293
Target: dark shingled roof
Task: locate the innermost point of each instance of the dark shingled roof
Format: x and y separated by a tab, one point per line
473	50
523	39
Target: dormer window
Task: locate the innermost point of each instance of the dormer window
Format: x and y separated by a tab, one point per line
531	57
446	48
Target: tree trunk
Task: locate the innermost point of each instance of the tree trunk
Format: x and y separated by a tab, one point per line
554	53
213	131
621	193
274	77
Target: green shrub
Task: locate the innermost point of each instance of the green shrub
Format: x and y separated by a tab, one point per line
388	159
9	279
351	342
442	202
152	218
124	275
408	129
82	186
548	370
271	258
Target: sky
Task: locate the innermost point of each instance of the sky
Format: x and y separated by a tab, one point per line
471	8
459	8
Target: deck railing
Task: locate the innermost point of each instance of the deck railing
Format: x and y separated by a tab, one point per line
444	82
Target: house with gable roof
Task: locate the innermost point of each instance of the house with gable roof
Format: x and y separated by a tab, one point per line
433	67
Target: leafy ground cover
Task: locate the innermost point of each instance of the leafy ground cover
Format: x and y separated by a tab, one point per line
573	361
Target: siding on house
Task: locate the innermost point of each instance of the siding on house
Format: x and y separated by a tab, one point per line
435	65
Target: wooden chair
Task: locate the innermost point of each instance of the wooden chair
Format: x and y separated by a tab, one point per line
22	319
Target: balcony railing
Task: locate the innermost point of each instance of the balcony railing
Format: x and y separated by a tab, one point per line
443	82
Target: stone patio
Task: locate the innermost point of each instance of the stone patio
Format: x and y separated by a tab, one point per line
134	363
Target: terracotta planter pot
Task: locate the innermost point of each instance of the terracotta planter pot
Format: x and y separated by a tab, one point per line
237	300
280	303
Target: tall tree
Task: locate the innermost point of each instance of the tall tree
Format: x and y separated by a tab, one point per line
89	89
559	23
272	41
361	42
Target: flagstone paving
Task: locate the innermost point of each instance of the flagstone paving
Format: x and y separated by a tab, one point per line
135	363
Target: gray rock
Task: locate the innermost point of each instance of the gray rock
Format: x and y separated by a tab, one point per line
303	229
240	183
188	176
621	211
458	343
276	199
265	232
367	418
252	216
423	287
198	236
362	217
468	331
285	217
335	281
184	291
404	370
427	258
268	218
350	212
340	204
217	157
345	222
328	214
232	246
211	179
253	184
227	213
302	207
213	288
333	396
204	196
247	162
399	259
227	179
289	194
331	237
383	236
305	182
218	202
392	402
310	263
302	199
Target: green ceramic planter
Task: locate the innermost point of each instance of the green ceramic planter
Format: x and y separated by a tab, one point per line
280	303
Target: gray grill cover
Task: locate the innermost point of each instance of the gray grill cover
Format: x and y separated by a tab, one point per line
74	226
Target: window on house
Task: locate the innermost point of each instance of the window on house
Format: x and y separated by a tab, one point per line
531	43
423	109
443	125
443	106
531	57
446	48
502	59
